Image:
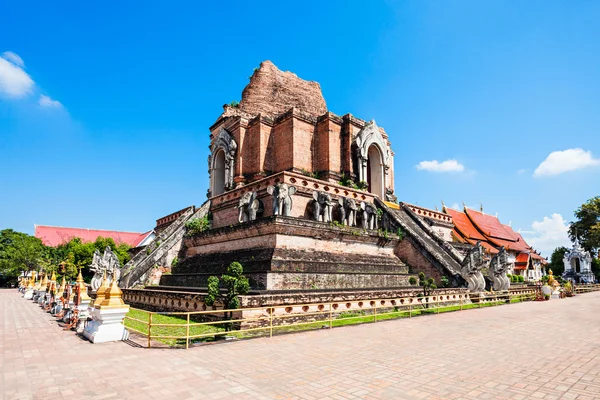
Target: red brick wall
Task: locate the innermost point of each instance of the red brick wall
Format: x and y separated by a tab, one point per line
283	145
412	256
302	138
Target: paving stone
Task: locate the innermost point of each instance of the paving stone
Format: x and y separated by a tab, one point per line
530	350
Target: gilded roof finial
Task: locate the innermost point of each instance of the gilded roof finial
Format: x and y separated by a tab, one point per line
112	296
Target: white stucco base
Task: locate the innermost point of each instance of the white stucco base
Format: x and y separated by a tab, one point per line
106	325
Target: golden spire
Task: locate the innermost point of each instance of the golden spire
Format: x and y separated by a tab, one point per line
63	285
31	280
82	288
112	296
101	290
53	278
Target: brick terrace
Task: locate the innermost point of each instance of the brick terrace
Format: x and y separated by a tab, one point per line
530	350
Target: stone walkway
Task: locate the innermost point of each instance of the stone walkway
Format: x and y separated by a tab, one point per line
530	350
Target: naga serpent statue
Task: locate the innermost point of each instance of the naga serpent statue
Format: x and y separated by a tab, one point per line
471	268
498	268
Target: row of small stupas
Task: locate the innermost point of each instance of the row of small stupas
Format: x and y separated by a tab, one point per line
470	226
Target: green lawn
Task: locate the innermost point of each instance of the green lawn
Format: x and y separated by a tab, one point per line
171	330
216	331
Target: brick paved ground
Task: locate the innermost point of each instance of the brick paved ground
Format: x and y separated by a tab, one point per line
529	350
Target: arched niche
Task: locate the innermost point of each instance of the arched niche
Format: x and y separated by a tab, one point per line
221	162
373	159
218	173
375	171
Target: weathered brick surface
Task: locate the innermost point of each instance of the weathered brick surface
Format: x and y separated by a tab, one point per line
272	92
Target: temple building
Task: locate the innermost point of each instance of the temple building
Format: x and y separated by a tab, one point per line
578	265
54	236
472	226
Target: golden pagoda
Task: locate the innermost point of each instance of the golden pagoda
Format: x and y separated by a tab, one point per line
100	292
112	296
82	288
31	280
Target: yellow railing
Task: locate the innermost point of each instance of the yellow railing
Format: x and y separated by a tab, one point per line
273	319
586	288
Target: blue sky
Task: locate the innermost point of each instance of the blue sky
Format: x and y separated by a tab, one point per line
105	108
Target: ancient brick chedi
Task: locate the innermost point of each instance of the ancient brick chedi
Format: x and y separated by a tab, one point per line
305	200
282	124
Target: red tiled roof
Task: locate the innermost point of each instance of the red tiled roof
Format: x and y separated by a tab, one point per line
57	235
464	225
488	224
464	229
522	258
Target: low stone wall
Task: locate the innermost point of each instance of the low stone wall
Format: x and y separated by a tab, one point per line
299	306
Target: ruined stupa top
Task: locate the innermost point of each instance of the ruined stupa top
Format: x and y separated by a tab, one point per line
272	92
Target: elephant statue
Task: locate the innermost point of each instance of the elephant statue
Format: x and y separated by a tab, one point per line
348	210
282	198
322	206
369	215
249	207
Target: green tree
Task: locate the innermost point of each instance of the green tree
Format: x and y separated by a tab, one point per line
236	284
20	252
556	261
587	225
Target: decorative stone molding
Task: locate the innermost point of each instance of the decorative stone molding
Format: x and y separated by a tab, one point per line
223	141
368	136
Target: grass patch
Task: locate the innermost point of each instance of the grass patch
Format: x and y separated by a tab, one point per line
170	330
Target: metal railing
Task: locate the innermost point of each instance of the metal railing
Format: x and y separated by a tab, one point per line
586	288
270	320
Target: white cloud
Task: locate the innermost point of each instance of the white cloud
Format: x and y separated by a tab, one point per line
444	166
14	81
558	162
548	234
46	101
14	58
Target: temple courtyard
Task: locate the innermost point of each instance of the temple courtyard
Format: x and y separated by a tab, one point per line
528	350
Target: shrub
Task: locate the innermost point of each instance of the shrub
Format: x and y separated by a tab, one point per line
412	280
445	282
521	278
197	225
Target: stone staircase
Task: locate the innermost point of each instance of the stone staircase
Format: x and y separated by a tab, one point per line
441	254
136	271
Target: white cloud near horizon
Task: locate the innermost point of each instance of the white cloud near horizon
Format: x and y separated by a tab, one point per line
568	160
46	101
14	81
14	58
548	234
444	166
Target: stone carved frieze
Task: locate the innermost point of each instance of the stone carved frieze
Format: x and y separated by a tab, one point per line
322	206
369	215
499	266
368	136
471	268
348	211
224	141
282	198
249	207
105	265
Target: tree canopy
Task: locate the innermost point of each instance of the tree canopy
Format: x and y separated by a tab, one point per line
556	260
21	252
587	225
